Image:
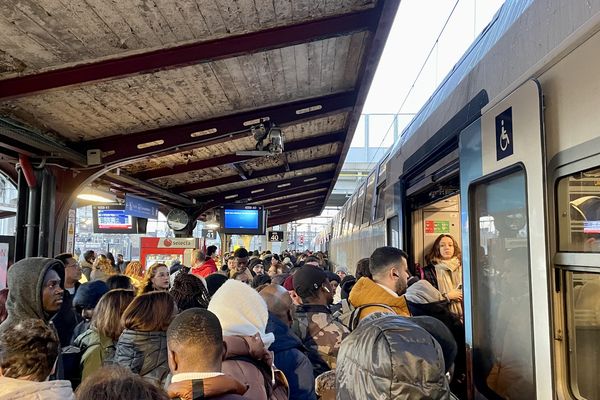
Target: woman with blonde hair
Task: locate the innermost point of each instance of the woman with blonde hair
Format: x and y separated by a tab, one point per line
97	344
102	269
142	347
444	271
135	272
156	278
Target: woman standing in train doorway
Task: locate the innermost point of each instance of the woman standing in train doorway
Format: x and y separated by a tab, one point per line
444	271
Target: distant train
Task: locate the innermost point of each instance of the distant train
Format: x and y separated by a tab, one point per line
505	157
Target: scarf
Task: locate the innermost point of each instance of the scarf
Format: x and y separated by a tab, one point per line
449	276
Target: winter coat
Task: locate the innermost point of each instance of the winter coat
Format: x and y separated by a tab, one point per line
145	354
430	275
208	267
18	389
393	357
320	333
249	362
65	320
291	360
96	351
26	280
219	387
366	291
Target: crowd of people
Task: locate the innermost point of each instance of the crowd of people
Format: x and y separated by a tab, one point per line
245	325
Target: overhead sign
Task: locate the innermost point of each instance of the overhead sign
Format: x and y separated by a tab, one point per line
275	236
178	243
209	234
504	134
140	207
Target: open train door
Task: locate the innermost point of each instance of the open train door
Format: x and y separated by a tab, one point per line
503	215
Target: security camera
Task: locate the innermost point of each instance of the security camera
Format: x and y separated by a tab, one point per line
276	139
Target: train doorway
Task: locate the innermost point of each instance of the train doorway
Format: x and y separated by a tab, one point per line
432	220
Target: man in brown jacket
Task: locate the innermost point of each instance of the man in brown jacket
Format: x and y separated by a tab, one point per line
195	353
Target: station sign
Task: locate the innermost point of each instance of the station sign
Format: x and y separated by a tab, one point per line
209	234
140	207
275	236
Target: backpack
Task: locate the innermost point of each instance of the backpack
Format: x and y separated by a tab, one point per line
350	315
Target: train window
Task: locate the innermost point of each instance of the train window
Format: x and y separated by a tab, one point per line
379	202
360	206
368	209
352	216
579	212
584	325
502	319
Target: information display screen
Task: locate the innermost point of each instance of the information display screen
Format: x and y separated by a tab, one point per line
243	220
112	219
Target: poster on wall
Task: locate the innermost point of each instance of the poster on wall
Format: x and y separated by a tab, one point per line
437	227
3	264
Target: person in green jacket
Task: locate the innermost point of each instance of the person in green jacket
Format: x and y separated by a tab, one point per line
97	344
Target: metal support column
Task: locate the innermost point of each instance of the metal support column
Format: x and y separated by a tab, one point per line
21	216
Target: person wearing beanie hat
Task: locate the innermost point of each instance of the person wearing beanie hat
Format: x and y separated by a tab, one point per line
214	282
314	323
244	324
86	298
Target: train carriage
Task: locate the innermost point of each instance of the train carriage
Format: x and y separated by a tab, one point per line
505	157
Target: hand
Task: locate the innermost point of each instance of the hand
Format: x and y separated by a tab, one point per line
455	295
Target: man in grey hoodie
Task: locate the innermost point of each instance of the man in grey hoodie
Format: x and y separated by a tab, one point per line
35	290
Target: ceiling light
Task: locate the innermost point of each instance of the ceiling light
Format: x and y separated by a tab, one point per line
96	196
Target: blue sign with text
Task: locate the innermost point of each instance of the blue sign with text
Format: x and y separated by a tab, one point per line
139	207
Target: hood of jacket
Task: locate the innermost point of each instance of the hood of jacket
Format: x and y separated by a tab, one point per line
247	346
25	282
423	292
213	387
391	355
144	353
366	291
285	338
17	389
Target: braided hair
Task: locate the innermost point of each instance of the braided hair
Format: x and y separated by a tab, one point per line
189	291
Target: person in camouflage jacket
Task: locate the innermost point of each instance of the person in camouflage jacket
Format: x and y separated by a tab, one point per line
314	323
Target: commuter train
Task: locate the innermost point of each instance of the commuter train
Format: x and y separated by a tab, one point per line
505	157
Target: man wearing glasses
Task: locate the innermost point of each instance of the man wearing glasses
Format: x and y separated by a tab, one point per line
67	317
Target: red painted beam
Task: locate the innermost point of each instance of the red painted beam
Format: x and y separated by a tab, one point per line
178	138
180	56
255	174
294	215
300	144
271	189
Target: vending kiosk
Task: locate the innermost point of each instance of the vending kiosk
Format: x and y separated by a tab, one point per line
167	250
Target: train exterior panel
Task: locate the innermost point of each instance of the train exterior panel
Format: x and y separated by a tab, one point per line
513	134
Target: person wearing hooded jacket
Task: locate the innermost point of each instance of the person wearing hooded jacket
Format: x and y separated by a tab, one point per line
36	290
244	326
394	357
287	347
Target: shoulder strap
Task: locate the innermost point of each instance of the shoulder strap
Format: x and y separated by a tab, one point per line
355	316
198	389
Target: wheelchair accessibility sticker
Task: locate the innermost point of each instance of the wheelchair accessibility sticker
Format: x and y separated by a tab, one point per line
504	134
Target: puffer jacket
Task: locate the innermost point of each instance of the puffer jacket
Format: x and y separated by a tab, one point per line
19	389
145	354
245	360
393	357
96	351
